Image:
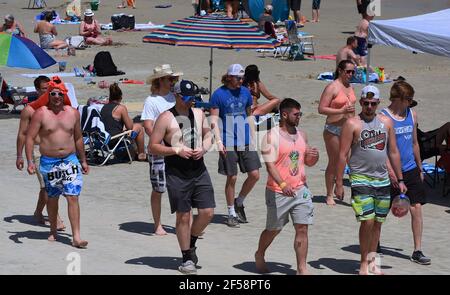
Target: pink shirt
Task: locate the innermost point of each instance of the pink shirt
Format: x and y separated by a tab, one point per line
289	153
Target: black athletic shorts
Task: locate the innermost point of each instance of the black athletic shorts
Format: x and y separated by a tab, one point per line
295	4
316	4
185	194
246	159
416	188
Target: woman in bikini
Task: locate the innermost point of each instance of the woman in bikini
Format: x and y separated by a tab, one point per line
256	87
90	30
47	33
338	104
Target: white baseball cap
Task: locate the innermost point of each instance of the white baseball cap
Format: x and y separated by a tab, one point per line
235	70
372	89
268	7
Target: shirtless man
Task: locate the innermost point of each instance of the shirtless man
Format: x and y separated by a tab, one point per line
41	84
361	33
347	52
58	127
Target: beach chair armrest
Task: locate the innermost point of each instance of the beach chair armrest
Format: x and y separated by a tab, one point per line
128	132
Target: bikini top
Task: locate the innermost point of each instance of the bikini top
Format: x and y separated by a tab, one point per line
342	99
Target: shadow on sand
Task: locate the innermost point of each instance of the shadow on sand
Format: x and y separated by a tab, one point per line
144	228
387	251
323	199
274	267
158	262
219	218
38	235
25	219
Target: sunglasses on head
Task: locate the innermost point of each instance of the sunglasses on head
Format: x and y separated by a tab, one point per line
371	103
60	94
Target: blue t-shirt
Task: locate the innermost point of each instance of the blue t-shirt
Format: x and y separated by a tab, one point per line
233	106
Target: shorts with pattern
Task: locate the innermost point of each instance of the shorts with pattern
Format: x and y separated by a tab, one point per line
371	200
157	173
62	176
279	207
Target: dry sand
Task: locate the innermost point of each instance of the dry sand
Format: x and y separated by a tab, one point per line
115	213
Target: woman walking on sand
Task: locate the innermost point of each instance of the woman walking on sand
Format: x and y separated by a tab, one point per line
338	104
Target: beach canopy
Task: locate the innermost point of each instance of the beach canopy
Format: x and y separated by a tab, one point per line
20	52
212	31
427	33
255	8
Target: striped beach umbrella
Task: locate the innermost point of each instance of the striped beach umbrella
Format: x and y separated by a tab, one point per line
213	32
20	52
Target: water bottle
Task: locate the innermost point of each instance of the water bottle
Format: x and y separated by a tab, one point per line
400	205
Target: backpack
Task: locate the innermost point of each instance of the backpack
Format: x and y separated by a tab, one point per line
104	65
123	21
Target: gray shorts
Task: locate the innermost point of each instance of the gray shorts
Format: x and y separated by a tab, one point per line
157	173
37	162
248	161
333	129
279	207
185	194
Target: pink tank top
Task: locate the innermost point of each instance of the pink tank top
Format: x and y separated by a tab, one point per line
290	161
93	27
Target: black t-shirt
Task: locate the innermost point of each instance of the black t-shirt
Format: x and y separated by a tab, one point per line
185	168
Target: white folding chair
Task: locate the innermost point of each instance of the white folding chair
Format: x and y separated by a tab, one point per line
37	4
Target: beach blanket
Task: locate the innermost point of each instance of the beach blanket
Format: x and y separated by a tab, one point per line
137	27
329	77
328	57
65	22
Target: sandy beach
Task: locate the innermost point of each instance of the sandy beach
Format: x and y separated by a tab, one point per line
115	201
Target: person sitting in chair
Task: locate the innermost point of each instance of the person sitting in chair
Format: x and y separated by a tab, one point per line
256	87
90	30
115	117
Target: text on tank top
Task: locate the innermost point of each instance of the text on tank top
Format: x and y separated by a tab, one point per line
404	130
175	165
289	161
369	154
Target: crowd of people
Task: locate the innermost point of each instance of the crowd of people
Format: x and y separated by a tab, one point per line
380	148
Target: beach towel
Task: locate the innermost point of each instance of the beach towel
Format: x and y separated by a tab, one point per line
74	8
327	57
329	77
430	168
137	27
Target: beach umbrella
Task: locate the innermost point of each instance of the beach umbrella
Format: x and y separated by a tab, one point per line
20	52
212	31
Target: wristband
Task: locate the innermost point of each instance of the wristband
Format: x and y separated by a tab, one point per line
400	180
283	185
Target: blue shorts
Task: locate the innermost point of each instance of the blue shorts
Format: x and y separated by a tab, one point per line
62	176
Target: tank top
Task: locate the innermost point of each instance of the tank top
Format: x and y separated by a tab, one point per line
404	134
369	154
185	168
112	125
289	161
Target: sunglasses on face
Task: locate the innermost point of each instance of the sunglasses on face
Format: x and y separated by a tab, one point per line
371	103
60	94
239	78
350	72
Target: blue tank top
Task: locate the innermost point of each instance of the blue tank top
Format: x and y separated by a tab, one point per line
404	135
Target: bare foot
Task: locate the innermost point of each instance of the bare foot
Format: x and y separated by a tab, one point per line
374	270
142	157
39	218
80	244
303	272
52	237
160	231
260	263
330	201
60	225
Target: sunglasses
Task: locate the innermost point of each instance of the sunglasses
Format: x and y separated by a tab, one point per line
60	94
371	103
350	72
239	78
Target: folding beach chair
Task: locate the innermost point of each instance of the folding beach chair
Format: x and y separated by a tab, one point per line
428	149
37	4
299	43
100	146
14	96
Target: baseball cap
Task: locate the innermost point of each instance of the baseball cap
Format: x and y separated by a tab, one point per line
186	89
235	70
370	89
268	7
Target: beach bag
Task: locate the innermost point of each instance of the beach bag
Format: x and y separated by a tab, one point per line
76	42
295	52
123	21
104	65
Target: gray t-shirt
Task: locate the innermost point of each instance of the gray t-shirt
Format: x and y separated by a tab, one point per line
263	18
369	154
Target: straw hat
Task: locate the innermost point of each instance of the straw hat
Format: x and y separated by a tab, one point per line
88	12
162	71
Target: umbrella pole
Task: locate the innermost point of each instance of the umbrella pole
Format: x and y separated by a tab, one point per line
210	73
369	47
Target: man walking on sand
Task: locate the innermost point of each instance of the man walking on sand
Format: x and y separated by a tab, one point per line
232	103
41	85
58	127
285	152
181	136
405	125
160	100
371	138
